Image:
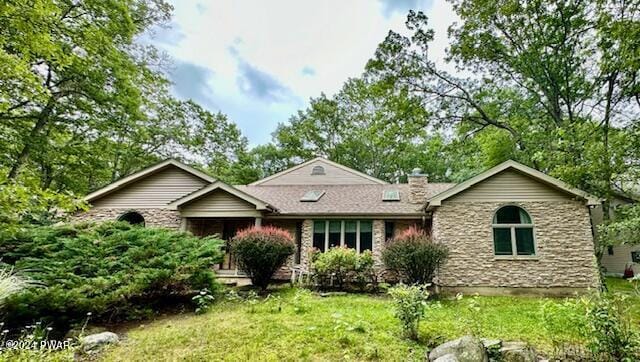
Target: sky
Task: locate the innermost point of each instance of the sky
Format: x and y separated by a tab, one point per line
259	61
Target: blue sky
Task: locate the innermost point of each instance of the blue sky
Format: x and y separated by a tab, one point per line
259	62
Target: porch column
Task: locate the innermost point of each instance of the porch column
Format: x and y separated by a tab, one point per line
258	222
183	224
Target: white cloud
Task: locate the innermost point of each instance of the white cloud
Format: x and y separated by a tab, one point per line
283	51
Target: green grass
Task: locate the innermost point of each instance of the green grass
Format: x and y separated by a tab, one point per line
358	327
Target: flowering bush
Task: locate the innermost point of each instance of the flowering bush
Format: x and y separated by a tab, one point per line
261	251
414	256
341	266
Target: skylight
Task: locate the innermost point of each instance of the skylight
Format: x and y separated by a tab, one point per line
312	196
391	195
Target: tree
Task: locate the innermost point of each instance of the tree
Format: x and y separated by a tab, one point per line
82	103
541	72
367	126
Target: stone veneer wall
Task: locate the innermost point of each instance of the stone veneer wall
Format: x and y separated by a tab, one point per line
152	217
563	237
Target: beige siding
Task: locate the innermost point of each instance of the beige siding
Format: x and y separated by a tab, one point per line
333	176
616	263
217	201
510	186
154	191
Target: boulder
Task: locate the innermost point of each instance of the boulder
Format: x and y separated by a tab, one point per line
94	341
447	358
517	352
465	349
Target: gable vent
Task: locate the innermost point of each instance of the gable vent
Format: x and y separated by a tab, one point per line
312	196
317	170
391	195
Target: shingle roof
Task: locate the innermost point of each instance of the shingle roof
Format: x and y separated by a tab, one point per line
341	199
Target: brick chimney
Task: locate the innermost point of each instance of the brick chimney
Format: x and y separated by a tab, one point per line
417	186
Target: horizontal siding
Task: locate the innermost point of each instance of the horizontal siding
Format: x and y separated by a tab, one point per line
218	201
620	259
333	176
510	186
156	190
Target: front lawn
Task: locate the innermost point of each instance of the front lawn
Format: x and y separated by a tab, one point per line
359	327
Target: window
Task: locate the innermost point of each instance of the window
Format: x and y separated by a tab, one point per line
335	231
352	234
132	217
389	230
319	234
635	256
366	235
513	232
317	170
610	250
312	196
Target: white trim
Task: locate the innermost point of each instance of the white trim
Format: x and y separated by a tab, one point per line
146	172
219	185
510	164
321	159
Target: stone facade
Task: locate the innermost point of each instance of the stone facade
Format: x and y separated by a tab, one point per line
152	217
417	188
564	245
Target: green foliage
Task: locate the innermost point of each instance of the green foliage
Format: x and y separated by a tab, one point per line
83	103
343	268
22	205
260	252
611	335
203	301
414	256
561	317
409	306
553	85
625	229
368	126
114	271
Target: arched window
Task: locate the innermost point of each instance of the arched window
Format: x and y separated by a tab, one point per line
132	217
513	232
317	170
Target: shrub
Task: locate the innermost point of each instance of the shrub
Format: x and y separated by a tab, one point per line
409	306
342	266
609	329
414	256
260	252
114	270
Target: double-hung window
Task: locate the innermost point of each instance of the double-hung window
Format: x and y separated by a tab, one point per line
354	234
513	232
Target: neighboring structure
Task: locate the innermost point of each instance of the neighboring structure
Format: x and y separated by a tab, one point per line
619	257
510	229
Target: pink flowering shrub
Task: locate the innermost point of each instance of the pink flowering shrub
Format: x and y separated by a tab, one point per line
261	251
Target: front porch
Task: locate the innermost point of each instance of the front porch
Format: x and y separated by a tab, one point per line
227	227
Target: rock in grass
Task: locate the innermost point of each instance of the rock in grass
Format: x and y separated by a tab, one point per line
447	358
94	341
517	352
465	349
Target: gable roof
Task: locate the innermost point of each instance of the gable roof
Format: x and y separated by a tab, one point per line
127	180
219	185
526	170
319	159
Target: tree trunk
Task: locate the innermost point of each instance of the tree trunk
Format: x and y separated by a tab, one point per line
23	156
